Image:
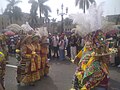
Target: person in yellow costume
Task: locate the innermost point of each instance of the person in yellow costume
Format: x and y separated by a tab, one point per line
4	48
27	68
2	70
44	59
92	71
36	44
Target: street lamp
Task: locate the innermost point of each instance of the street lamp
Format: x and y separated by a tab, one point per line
62	14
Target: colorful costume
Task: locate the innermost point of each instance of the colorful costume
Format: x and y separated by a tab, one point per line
44	53
2	70
27	69
92	71
37	47
4	48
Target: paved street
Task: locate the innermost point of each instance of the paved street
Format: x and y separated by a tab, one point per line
59	78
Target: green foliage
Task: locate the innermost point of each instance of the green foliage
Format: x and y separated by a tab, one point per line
13	11
83	4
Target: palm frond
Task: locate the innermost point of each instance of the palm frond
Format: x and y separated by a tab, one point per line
42	1
47	8
87	4
76	2
81	4
8	1
18	1
91	1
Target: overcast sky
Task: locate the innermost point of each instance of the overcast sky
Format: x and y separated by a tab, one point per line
110	7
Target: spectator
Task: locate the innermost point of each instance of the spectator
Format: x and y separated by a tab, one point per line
73	45
62	48
55	46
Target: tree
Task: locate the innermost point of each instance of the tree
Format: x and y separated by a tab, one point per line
11	8
43	9
33	14
17	13
84	4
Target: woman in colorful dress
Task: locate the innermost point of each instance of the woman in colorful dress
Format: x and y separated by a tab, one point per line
2	70
36	44
92	72
44	58
26	72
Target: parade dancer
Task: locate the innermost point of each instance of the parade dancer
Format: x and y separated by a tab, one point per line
26	71
44	52
2	70
36	44
92	72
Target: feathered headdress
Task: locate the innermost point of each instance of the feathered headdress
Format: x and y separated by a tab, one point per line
27	27
90	26
87	23
41	31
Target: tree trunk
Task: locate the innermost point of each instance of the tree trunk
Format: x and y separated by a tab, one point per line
40	12
84	6
39	8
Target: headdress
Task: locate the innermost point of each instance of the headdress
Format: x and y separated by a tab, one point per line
28	37
26	27
90	27
42	33
35	37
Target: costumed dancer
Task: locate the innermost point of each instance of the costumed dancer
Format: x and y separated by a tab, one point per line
4	48
36	44
44	58
43	33
26	72
92	72
2	70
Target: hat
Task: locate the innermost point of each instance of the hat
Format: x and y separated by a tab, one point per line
99	43
35	37
28	37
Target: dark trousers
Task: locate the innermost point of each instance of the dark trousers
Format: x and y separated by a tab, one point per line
55	49
49	54
68	51
117	60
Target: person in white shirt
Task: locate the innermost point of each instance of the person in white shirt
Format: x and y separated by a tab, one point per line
55	46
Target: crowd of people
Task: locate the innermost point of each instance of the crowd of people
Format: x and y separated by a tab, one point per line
62	45
114	42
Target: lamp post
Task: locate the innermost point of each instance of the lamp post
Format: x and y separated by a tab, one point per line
62	14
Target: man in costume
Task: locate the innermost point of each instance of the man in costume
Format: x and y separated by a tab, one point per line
92	72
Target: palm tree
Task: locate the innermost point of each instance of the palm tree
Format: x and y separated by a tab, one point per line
17	14
43	9
11	7
84	4
33	20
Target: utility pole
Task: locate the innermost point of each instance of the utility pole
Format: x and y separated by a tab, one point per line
62	14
